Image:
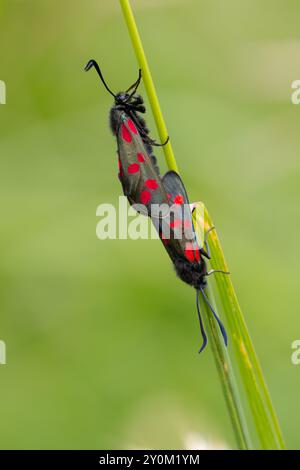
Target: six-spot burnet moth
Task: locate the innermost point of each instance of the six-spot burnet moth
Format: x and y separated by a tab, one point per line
164	198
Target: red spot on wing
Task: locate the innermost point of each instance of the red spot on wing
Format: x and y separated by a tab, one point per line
189	252
175	223
151	184
145	197
133	168
132	126
140	157
178	199
119	163
197	254
126	134
192	252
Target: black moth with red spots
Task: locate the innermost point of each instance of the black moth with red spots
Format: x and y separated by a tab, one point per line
164	199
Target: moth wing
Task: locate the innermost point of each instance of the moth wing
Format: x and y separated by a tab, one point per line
183	240
140	181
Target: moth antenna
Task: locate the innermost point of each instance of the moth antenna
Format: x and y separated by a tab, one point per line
200	322
223	331
92	63
135	86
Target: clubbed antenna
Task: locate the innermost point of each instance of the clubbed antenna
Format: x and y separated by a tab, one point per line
92	63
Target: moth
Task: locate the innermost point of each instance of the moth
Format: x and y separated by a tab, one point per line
163	198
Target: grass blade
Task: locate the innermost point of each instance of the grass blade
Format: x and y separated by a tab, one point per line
149	84
264	417
226	374
259	400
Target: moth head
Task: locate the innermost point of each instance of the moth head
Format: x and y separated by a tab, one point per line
122	97
134	102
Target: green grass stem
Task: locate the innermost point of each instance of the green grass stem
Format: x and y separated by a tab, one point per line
266	425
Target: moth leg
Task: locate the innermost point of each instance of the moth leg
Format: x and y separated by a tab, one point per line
212	271
153	142
206	252
210	230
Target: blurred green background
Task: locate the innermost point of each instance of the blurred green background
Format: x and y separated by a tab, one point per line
101	336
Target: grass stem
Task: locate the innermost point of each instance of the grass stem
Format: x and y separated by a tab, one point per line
149	84
265	421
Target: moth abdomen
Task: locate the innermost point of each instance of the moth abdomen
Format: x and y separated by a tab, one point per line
191	273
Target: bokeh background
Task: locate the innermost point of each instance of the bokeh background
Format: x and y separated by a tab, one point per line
101	336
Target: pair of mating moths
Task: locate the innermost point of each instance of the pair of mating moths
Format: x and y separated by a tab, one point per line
164	199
